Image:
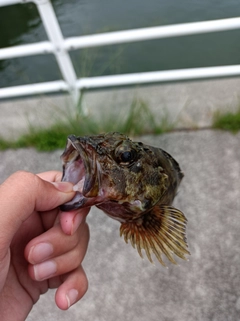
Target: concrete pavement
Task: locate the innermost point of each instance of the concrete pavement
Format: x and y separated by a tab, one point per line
124	287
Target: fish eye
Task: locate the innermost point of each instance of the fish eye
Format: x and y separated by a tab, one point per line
126	157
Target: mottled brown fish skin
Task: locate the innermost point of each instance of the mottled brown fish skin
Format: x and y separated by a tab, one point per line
133	183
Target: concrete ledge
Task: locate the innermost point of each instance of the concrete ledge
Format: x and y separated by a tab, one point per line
188	104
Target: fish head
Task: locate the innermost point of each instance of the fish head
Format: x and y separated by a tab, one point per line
110	170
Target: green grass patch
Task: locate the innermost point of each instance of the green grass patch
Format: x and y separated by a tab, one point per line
227	121
138	120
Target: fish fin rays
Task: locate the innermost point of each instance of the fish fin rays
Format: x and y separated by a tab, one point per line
162	230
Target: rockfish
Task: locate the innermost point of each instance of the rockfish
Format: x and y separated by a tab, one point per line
133	183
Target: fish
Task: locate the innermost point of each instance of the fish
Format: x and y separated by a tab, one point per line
132	183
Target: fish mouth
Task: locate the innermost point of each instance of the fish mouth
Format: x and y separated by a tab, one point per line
81	169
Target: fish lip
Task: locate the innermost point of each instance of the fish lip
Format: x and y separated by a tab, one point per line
78	150
69	206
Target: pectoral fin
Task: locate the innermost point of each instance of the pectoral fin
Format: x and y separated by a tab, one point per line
161	231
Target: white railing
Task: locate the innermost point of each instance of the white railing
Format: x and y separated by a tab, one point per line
60	47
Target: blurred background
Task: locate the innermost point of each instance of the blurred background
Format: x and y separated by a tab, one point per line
141	109
21	24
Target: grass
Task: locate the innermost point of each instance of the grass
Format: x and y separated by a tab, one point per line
227	121
137	121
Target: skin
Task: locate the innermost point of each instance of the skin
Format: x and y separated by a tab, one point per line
40	247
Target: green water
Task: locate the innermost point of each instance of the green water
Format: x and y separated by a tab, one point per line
20	24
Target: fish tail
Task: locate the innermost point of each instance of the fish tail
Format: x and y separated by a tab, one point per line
162	230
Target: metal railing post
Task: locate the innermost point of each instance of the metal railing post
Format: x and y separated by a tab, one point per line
54	34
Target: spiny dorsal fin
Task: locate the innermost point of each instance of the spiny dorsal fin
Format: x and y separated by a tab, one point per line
161	231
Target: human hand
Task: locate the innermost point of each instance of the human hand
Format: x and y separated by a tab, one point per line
40	246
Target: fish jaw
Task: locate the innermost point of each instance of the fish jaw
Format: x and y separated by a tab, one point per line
81	168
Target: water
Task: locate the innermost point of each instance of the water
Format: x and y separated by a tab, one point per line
20	24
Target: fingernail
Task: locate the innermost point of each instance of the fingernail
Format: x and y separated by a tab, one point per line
71	297
44	270
63	186
40	252
76	222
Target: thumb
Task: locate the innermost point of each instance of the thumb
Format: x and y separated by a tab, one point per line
22	194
